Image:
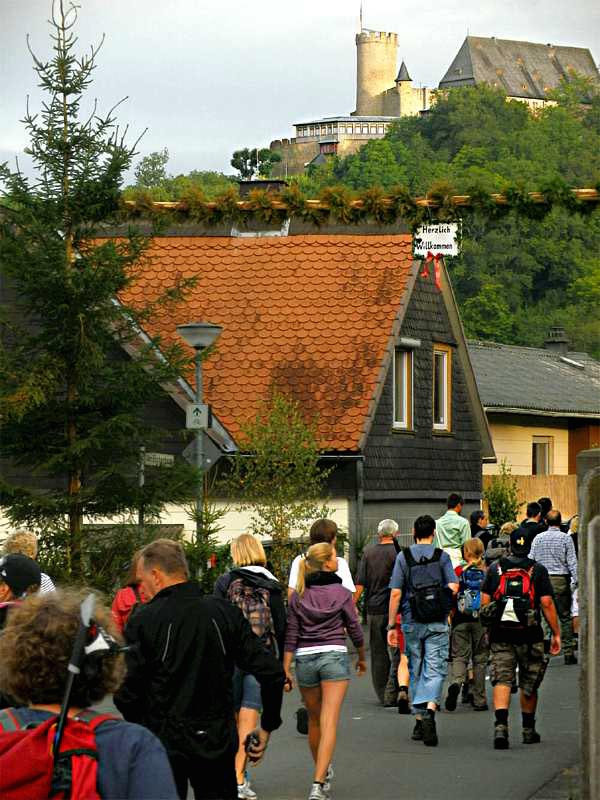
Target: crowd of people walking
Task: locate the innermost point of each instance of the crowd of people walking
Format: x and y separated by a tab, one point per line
199	679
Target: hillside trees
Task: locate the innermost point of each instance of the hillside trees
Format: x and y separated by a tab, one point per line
515	276
71	398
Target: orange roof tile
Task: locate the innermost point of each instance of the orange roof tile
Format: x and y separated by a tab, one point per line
309	315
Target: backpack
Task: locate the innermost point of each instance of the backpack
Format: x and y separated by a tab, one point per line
28	767
497	548
428	598
469	592
255	604
515	595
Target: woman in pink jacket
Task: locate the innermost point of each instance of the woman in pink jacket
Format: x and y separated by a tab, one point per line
321	610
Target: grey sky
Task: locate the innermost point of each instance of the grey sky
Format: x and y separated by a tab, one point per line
209	77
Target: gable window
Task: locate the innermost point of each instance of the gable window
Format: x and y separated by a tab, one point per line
403	389
442	387
542	452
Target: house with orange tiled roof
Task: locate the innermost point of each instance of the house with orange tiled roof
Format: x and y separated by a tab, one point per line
352	327
344	320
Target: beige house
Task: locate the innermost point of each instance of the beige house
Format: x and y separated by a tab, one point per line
543	407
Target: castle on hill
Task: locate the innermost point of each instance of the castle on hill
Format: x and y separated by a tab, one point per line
526	71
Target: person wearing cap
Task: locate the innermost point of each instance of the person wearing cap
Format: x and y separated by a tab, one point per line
517	641
19	576
26	543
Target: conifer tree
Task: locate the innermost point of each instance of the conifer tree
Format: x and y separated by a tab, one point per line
75	373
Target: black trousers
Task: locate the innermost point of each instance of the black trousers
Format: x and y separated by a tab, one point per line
212	779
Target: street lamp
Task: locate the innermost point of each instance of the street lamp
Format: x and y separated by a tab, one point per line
199	335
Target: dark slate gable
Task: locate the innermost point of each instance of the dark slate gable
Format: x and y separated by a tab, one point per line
420	462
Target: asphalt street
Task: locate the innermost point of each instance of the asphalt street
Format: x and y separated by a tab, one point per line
377	760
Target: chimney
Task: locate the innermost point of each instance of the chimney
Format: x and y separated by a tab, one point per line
557	340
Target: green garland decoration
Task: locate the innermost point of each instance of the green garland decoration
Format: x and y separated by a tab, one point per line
338	204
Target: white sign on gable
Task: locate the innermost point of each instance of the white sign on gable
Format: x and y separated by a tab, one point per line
439	238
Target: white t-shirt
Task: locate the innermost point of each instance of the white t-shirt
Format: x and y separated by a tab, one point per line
343	571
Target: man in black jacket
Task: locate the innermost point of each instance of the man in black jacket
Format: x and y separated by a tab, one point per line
179	674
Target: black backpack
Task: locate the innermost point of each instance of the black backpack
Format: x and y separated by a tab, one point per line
425	579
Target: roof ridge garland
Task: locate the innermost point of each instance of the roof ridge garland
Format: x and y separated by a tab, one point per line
338	203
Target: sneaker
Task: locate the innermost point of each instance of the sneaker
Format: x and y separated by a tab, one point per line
317	792
403	704
467	695
302	721
430	738
500	736
417	733
453	692
531	736
245	792
572	659
328	778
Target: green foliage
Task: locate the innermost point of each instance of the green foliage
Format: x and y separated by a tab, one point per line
151	170
71	400
502	496
255	161
277	477
153	182
523	266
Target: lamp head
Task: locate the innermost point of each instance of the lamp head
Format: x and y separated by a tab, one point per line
199	335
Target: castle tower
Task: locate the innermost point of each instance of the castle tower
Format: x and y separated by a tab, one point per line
376	63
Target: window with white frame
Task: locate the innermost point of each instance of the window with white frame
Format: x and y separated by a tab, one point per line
403	389
442	387
542	455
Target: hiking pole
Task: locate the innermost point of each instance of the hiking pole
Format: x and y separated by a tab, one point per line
74	668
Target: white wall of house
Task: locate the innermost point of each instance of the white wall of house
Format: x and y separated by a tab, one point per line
234	522
514	443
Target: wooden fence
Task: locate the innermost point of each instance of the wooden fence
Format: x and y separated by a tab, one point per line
562	489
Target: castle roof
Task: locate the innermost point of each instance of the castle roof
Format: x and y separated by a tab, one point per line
310	315
522	69
403	74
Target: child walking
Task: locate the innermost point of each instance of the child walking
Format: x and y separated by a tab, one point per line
319	613
468	642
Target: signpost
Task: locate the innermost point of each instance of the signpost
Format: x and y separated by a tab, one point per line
197	416
439	238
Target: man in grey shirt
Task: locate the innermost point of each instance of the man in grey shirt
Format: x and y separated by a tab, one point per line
374	573
555	550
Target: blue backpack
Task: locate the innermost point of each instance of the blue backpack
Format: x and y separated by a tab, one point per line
469	591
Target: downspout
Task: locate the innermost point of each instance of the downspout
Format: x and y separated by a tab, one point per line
357	535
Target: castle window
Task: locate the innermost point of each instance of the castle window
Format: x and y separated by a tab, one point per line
342	129
349	128
373	128
329	129
365	128
380	129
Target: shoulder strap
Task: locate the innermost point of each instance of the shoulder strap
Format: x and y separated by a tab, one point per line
94	718
9	720
410	561
437	554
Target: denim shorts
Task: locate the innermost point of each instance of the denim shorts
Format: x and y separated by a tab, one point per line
246	691
329	666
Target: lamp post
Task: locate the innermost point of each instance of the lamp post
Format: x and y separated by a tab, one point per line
199	335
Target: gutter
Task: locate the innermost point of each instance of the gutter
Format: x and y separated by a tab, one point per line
538	412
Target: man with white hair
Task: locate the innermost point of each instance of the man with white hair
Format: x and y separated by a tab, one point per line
374	573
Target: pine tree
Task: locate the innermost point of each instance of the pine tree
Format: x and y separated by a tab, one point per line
75	374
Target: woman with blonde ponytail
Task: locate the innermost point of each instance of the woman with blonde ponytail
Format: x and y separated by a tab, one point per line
468	641
320	612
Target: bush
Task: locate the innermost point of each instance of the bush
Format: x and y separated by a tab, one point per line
502	496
